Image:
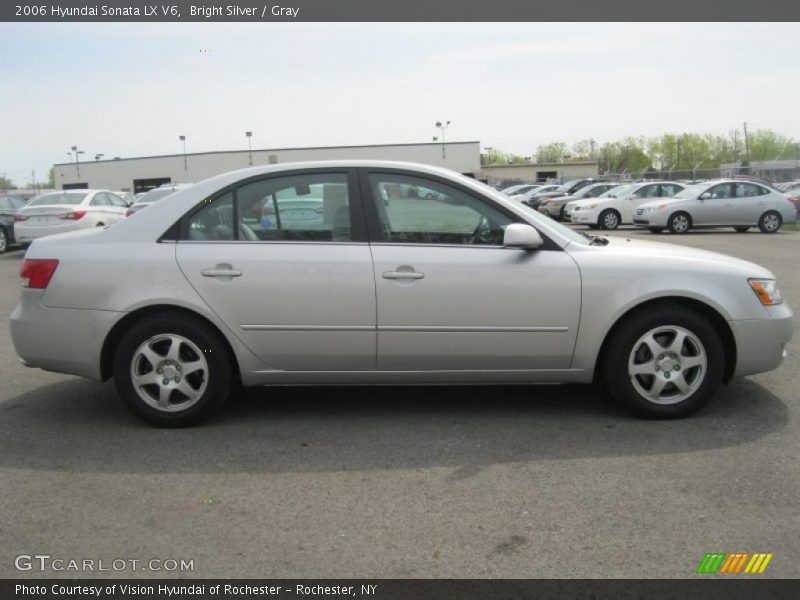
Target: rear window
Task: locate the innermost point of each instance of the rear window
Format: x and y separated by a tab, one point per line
156	195
58	198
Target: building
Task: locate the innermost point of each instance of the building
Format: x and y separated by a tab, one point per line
144	173
559	172
770	170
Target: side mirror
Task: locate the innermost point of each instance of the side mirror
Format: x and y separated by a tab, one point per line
519	235
705	196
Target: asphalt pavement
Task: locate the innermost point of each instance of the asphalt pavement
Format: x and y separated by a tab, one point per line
502	481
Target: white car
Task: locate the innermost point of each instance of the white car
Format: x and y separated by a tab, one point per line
67	210
617	206
726	203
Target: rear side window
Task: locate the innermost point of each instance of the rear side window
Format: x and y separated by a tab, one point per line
303	207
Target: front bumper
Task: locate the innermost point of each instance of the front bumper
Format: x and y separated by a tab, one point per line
584	217
761	343
64	340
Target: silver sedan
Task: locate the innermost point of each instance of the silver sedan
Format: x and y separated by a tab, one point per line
382	272
727	203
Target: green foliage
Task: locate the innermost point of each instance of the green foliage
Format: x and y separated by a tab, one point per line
6	184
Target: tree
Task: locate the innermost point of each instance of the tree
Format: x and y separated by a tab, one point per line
6	184
554	152
766	144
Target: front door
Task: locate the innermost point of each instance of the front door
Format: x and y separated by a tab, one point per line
450	296
284	262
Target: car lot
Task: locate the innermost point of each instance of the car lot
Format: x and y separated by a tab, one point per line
546	481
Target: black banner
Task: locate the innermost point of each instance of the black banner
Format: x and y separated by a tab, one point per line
397	10
383	589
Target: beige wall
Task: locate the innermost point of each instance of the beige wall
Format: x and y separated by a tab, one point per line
463	157
564	171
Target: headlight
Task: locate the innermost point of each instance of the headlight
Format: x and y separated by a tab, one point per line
766	290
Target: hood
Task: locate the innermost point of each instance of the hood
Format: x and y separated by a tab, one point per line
651	254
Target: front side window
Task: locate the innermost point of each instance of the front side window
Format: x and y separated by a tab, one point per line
722	191
413	210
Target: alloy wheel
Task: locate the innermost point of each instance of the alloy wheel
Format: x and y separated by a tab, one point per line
680	223
169	372
667	364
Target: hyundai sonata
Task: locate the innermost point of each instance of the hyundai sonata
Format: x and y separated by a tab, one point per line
335	273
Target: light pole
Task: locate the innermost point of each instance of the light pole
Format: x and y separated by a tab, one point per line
77	159
443	126
249	135
98	156
182	138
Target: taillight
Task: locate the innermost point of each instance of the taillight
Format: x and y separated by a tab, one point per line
128	212
37	272
793	200
18	217
73	216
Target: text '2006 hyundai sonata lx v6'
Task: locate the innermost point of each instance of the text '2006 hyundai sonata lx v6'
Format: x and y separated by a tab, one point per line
366	272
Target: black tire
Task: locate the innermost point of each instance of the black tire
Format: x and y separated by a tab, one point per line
609	219
620	383
655	229
770	222
594	227
679	222
741	229
3	241
218	377
562	212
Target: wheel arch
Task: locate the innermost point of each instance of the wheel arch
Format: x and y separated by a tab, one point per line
709	312
120	327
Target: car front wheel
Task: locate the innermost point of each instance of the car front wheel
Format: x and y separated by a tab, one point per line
665	362
655	229
609	219
172	370
770	222
679	223
3	240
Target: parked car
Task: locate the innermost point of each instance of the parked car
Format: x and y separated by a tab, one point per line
727	203
128	197
67	210
555	207
512	189
524	189
567	189
9	205
155	195
397	294
532	197
617	207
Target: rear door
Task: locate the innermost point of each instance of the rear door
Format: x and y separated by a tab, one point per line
283	261
749	203
450	296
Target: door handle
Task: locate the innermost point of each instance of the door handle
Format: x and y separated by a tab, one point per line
403	275
221	271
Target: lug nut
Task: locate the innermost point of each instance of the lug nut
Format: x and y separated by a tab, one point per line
658	368
178	367
660	357
677	367
177	380
160	371
166	382
666	374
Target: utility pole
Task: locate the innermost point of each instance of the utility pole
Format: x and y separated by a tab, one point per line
678	162
182	138
746	147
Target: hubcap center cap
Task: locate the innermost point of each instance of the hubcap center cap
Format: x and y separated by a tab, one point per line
170	372
668	364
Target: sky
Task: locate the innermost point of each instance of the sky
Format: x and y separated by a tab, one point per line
132	89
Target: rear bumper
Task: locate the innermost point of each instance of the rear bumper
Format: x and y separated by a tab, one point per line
25	234
761	343
63	340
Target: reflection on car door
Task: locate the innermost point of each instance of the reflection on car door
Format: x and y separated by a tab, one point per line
296	286
716	210
450	297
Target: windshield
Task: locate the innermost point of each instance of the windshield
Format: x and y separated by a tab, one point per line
156	195
594	190
565	187
59	198
617	192
693	191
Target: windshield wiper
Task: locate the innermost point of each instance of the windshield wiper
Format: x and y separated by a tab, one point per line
596	240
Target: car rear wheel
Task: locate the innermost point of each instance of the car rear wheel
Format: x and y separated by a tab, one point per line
562	212
172	370
770	222
609	219
680	222
741	229
665	362
3	240
655	229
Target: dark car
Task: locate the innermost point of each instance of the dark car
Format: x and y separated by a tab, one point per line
566	189
9	205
